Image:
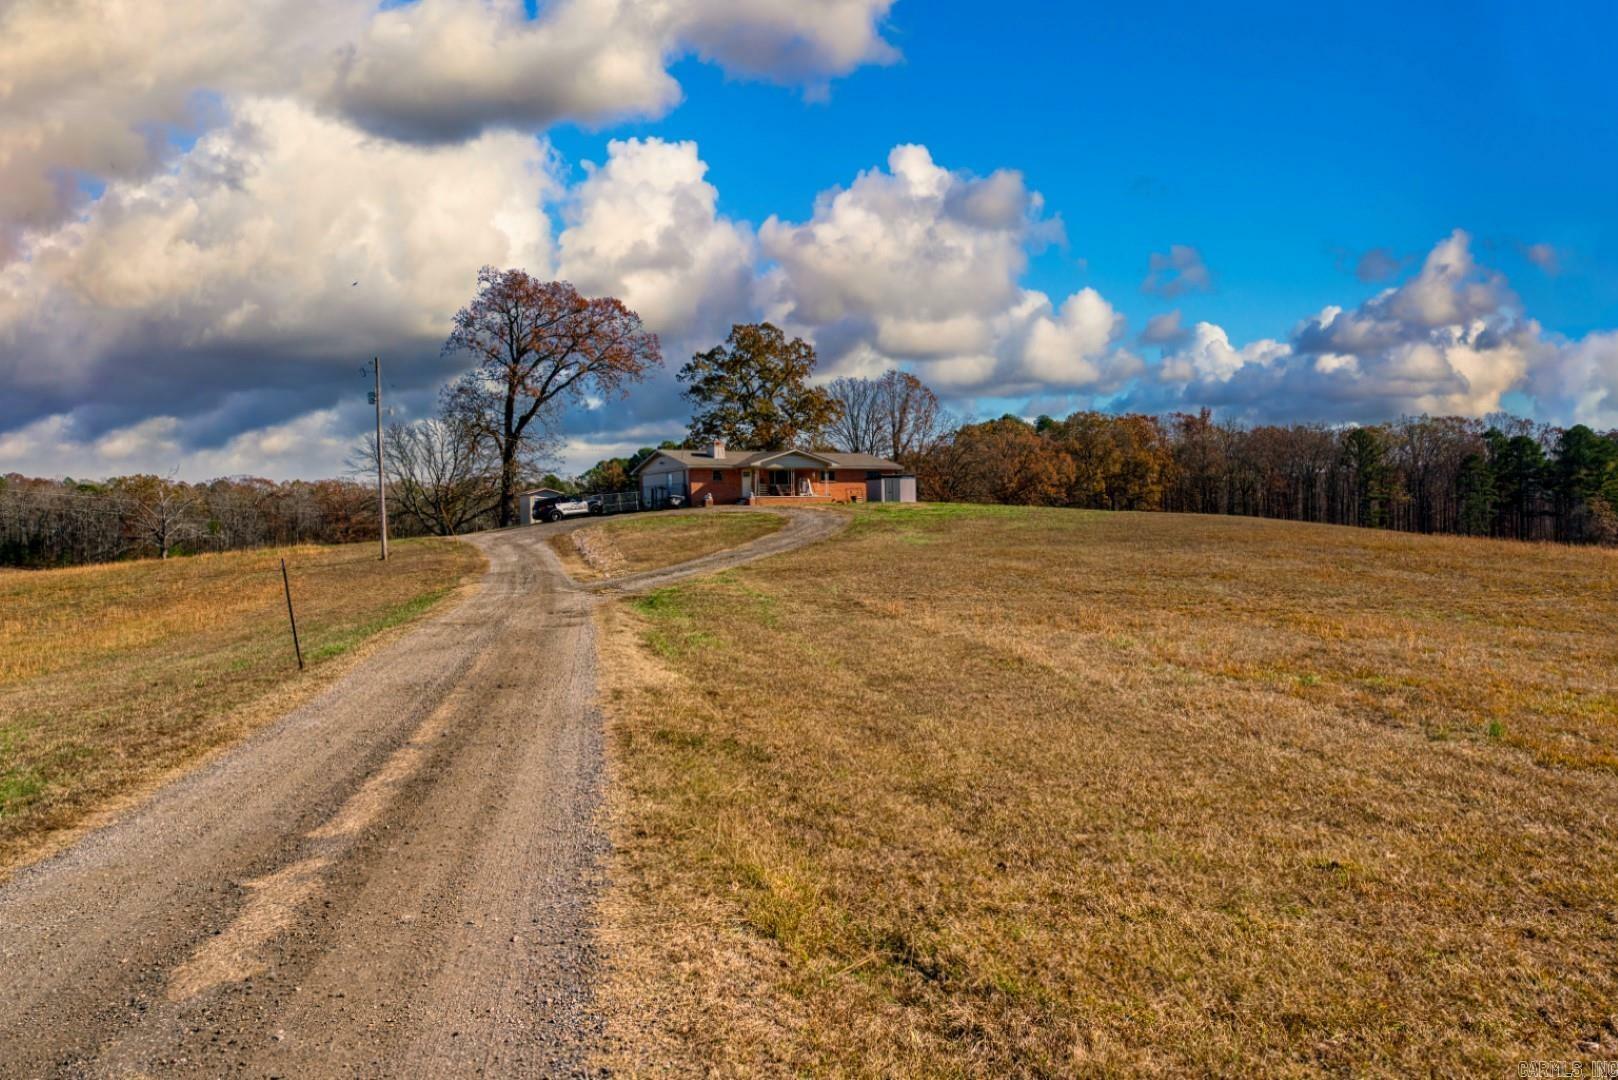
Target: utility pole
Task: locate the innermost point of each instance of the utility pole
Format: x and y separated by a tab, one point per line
381	492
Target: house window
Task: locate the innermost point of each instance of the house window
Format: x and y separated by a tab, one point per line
827	476
718	475
873	474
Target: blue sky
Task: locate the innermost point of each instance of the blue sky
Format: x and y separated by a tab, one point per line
1281	140
1380	208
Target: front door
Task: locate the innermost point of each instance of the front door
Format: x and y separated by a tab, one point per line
747	483
780	482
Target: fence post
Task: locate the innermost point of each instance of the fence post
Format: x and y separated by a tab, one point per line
286	583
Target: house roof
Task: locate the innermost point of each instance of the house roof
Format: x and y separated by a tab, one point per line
748	459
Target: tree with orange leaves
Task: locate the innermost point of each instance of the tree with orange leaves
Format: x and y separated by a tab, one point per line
538	344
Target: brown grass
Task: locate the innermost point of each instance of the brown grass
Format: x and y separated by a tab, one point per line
112	677
629	545
1040	792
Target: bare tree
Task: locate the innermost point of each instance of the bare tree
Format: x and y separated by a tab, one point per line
536	345
895	415
439	472
158	511
859	428
912	418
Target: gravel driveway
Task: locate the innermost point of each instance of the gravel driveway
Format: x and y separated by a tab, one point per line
397	878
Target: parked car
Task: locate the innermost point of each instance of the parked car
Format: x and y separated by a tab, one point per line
560	506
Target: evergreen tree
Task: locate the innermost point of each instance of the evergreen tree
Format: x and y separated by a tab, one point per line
1585	472
1519	470
1477	495
1365	457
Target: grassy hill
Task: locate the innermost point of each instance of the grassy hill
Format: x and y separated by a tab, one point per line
113	676
1000	791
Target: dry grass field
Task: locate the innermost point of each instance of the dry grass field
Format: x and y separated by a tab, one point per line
628	545
1019	792
113	676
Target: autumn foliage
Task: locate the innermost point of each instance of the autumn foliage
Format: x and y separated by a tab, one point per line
66	522
1497	477
535	346
754	391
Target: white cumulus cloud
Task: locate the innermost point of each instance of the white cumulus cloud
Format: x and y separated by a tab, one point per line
447	69
1451	341
94	92
282	244
1209	357
1579	380
922	265
787	40
645	227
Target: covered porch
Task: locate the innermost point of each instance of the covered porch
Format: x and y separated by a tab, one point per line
784	484
792	477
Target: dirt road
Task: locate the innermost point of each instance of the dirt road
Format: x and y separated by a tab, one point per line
396	879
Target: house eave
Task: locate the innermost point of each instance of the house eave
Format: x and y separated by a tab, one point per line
648	460
764	461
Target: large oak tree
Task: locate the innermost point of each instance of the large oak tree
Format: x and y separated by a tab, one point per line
754	391
538	344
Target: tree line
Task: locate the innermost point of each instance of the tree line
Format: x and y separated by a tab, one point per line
67	522
1500	476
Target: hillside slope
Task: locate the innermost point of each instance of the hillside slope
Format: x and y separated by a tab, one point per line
1019	792
113	676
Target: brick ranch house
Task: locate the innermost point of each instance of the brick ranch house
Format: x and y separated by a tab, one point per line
790	477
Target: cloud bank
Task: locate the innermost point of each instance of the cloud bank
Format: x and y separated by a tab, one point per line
210	219
279	252
96	92
1451	340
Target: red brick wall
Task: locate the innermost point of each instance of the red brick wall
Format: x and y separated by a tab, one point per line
725	490
846	485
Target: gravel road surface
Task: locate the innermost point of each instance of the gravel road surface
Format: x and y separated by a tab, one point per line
396	879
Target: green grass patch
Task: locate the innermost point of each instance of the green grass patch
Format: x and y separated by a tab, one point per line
345	640
673	633
19	787
666	603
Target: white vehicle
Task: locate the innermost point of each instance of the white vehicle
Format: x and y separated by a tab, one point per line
562	506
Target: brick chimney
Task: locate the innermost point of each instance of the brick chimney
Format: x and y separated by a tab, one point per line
717	450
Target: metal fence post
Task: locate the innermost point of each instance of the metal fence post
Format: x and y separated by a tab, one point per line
286	584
